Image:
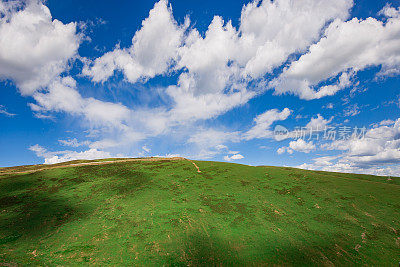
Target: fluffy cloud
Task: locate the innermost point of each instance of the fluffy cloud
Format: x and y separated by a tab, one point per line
154	48
377	153
268	33
217	69
220	65
206	59
272	30
284	149
263	122
62	156
114	123
302	146
34	48
346	47
189	107
318	123
380	145
298	145
62	96
330	164
233	157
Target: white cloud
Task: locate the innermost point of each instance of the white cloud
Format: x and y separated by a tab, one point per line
263	122
154	48
284	149
268	33
34	52
4	111
146	149
351	111
386	122
214	138
114	123
217	71
220	65
346	47
62	156
168	156
209	143
380	145
206	59
190	107
73	142
233	157
302	146
221	147
62	96
298	145
272	30
216	68
34	48
389	11
326	164
378	153
318	123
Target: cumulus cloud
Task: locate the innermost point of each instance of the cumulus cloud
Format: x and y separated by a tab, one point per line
62	96
215	72
377	153
233	157
331	164
389	11
34	48
284	149
272	30
298	145
263	122
318	123
114	123
217	68
154	48
52	157
345	48
268	33
302	146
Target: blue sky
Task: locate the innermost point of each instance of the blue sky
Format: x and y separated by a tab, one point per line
202	79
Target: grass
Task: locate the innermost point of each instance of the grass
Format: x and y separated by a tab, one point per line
165	213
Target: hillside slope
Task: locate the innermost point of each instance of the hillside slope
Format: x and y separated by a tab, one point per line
163	212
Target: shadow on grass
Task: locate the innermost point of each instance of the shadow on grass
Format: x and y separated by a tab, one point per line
38	204
200	249
28	208
114	179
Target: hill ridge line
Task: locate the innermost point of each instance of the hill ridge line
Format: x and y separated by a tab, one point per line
94	163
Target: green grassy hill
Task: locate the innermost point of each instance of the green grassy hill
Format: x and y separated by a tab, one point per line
164	212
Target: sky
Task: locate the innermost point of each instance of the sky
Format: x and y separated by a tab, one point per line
312	84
